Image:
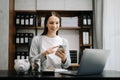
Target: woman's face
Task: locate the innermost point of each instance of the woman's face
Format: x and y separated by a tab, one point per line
53	24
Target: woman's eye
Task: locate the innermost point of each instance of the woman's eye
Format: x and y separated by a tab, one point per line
56	22
51	22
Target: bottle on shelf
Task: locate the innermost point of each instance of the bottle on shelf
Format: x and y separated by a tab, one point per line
17	20
17	37
30	38
84	20
26	55
21	38
22	20
27	20
26	38
89	20
31	20
22	55
18	55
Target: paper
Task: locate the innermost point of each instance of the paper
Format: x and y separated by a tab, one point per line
60	70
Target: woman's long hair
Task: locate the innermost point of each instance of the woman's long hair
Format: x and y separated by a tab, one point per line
46	19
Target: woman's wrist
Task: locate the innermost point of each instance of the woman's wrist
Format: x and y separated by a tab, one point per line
45	53
63	60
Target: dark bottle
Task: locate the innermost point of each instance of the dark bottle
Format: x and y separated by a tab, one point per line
26	55
89	20
30	38
27	20
17	20
22	20
31	20
26	38
18	55
22	38
84	20
17	41
22	55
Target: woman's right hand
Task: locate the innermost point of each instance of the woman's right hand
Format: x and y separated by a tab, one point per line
50	50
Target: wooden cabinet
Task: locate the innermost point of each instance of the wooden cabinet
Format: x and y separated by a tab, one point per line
64	5
53	5
78	5
50	5
25	4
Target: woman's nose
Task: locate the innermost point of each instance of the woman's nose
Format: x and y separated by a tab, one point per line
54	25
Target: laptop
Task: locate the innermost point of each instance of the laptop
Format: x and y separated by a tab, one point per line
92	62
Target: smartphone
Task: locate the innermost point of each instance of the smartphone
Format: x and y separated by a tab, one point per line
62	47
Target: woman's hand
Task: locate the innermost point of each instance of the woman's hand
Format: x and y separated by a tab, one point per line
50	50
61	54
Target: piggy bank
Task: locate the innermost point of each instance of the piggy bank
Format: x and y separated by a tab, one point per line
22	65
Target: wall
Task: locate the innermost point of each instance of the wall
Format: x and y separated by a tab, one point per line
4	32
111	33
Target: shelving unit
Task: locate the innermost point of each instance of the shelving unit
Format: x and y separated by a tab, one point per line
80	28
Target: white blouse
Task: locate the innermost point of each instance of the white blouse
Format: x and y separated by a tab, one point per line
51	61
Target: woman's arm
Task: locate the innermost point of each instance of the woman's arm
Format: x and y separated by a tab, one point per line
68	59
34	51
35	48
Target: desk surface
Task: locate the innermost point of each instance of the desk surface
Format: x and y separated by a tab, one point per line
12	74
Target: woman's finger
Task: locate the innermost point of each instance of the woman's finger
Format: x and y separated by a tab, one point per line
60	53
54	47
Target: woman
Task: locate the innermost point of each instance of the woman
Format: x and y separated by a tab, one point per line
45	47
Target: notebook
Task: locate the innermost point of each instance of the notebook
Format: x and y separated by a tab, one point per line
92	62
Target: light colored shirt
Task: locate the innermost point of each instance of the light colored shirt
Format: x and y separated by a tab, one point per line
51	61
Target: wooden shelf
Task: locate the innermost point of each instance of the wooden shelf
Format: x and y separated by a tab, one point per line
22	45
25	10
41	28
69	28
86	27
62	28
85	44
74	65
25	27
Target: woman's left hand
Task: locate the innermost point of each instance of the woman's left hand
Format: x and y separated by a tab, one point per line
61	54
